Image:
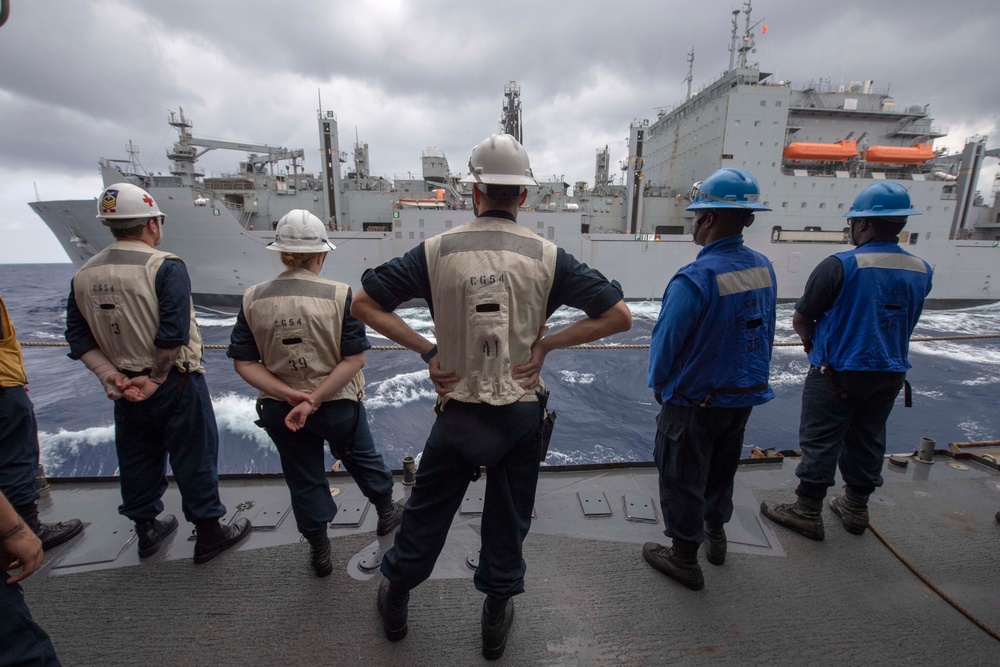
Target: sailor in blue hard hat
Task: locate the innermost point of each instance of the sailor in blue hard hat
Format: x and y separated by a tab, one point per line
855	320
708	367
883	208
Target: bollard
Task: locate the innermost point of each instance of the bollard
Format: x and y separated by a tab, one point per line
926	452
409	471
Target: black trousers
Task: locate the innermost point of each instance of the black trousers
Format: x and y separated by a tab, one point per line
697	452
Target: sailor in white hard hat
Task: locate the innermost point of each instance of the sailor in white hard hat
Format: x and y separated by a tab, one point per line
296	341
130	319
490	284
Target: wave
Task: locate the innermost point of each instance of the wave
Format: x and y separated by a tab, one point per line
963	352
236	414
55	449
399	390
215	321
574	377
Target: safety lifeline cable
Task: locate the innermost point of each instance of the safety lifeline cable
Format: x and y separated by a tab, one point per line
927	582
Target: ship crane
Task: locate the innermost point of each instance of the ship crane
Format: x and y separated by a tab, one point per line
261	154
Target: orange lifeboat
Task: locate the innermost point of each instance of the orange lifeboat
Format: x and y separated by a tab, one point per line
900	154
840	151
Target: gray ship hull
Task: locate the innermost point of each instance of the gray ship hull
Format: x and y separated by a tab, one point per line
224	258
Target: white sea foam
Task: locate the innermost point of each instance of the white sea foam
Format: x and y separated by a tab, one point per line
929	393
56	447
968	321
215	321
233	413
399	390
645	310
975	432
964	352
599	454
573	377
786	377
980	381
236	414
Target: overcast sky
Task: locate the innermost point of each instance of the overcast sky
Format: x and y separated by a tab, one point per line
78	80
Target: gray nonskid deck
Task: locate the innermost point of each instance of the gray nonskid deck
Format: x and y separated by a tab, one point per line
590	598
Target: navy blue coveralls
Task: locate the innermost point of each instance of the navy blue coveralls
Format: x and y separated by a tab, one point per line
22	641
708	365
18	434
342	423
176	422
866	303
506	439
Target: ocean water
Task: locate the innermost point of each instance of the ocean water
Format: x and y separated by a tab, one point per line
606	413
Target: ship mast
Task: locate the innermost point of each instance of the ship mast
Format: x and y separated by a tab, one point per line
747	44
510	119
690	76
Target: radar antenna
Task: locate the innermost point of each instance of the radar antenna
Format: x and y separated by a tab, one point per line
510	121
747	44
690	77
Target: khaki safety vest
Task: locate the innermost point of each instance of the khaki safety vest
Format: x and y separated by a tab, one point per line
116	293
297	320
490	282
11	362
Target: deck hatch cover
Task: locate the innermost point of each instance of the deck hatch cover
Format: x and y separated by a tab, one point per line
268	515
639	508
101	542
472	560
350	513
473	501
594	503
371	560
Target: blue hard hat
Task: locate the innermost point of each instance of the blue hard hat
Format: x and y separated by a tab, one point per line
882	200
727	188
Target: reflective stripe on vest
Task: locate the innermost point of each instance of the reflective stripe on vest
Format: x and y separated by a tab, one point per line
116	293
725	362
869	326
297	320
490	282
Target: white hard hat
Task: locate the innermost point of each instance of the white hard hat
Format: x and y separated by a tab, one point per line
499	160
301	231
123	203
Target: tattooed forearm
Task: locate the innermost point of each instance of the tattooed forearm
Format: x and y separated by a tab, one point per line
162	362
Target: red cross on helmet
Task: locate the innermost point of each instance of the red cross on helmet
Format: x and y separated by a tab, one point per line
123	205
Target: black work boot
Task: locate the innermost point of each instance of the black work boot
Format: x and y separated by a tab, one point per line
804	516
679	562
51	534
152	532
392	607
319	554
715	544
852	510
390	513
497	616
214	538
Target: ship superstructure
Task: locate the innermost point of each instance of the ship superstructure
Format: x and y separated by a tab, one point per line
812	147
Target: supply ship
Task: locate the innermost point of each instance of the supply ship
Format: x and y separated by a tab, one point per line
812	147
